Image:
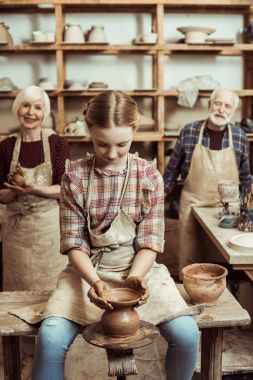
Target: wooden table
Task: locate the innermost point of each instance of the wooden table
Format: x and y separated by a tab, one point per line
206	216
227	312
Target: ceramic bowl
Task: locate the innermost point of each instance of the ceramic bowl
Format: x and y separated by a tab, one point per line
195	34
228	221
204	282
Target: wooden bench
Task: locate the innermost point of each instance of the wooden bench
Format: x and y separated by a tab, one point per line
227	312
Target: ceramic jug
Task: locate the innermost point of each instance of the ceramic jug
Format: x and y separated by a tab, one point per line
73	33
97	34
5	35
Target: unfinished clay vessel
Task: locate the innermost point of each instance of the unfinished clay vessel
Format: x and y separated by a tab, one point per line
123	320
17	177
204	282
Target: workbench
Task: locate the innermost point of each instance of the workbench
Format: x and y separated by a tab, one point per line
225	313
207	218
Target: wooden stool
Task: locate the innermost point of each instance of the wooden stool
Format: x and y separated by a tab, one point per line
121	361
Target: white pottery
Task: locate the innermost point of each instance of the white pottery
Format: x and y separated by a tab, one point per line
228	191
242	242
5	36
45	84
76	86
39	36
195	34
97	35
81	129
150	38
73	33
76	128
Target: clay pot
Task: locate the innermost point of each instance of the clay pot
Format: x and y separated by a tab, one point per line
204	282
123	320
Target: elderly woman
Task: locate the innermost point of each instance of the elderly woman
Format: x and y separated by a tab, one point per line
31	167
31	236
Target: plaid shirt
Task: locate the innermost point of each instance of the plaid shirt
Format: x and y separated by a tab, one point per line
180	160
143	202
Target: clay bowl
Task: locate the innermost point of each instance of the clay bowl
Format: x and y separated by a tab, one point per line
122	297
204	282
123	320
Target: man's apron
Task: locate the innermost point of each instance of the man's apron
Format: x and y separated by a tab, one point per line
112	255
207	168
31	235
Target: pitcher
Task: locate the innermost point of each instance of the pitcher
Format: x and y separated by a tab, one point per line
5	35
97	34
73	33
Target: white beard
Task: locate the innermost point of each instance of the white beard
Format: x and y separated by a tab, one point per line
219	122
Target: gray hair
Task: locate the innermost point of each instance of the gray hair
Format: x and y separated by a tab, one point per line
32	93
236	98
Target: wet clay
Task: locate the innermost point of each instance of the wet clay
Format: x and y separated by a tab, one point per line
123	320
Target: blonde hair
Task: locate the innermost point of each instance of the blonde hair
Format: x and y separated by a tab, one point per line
112	108
32	93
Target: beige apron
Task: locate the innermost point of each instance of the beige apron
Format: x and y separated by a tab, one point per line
112	255
31	236
207	168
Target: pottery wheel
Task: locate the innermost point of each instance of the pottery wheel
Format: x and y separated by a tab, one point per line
145	335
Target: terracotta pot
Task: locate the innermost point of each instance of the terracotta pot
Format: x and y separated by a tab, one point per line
204	282
123	320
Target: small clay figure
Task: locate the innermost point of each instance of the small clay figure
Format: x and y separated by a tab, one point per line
16	178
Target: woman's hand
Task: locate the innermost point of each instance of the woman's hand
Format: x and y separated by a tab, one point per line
96	295
27	189
16	177
138	283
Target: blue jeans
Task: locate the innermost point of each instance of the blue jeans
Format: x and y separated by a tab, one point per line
57	334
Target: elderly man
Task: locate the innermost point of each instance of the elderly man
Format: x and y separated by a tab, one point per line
207	152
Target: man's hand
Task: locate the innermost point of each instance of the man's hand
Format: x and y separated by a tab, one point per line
138	283
96	295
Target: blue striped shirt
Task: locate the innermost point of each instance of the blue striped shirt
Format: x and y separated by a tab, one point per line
180	160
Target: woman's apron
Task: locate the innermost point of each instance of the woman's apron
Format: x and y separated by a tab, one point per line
31	235
207	168
112	255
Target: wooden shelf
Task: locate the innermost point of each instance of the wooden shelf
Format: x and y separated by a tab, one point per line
157	9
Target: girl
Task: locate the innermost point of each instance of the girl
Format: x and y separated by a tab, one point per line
112	228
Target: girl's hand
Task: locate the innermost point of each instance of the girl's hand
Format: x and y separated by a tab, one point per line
138	283
96	295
